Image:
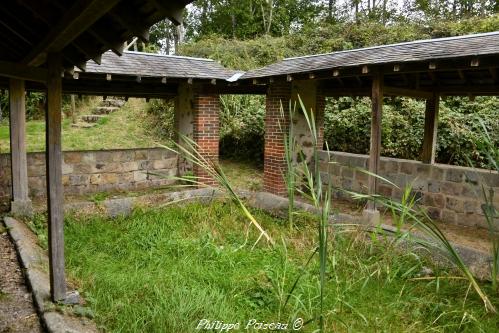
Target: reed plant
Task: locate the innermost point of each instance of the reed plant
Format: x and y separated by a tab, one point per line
490	150
190	150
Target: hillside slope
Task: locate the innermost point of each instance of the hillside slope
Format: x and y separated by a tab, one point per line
128	127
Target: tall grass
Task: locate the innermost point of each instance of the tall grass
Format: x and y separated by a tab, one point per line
405	212
487	147
312	190
290	149
189	149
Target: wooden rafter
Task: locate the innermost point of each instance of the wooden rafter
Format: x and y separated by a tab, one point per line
172	9
128	20
76	20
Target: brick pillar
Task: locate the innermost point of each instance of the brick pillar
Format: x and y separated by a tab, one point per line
206	111
274	161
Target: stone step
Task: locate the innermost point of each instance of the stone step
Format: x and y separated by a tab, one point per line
112	103
105	109
91	118
83	125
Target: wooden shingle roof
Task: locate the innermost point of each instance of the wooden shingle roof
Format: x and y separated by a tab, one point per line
422	50
155	65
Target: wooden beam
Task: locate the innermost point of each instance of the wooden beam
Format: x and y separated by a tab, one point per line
330	91
375	147
128	20
465	90
55	196
172	9
76	20
430	129
22	72
117	48
19	164
407	92
493	74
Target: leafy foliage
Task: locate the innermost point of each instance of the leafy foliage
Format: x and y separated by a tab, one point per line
242	127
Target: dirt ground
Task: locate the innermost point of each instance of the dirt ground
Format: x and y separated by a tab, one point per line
476	238
17	314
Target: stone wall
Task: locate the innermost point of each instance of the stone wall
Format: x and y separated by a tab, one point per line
449	193
96	171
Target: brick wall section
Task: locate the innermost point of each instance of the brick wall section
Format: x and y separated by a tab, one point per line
87	172
448	193
274	162
206	111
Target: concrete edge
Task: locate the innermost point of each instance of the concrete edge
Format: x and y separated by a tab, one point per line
34	260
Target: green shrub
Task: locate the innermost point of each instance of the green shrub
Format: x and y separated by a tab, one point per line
162	117
242	127
347	127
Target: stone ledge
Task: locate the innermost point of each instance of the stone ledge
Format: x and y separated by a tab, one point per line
35	262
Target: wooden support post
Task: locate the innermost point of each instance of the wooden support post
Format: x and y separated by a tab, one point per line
375	149
21	204
430	129
73	109
55	199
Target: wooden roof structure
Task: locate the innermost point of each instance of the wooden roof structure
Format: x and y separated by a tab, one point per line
79	29
464	65
406	54
157	65
42	40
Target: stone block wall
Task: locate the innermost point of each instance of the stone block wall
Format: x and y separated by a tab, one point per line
449	193
87	172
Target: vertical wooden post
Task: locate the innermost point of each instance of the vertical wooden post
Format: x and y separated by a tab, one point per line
54	178
73	109
21	205
375	149
430	129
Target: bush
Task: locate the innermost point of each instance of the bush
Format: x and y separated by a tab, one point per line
347	128
162	118
242	127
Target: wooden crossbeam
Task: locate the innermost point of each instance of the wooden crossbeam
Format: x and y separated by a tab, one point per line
76	20
407	92
22	72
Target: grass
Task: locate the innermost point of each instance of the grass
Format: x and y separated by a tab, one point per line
164	270
126	128
243	175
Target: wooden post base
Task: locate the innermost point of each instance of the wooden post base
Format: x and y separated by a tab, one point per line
21	208
371	216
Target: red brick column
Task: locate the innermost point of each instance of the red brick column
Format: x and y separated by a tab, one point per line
206	110
274	161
